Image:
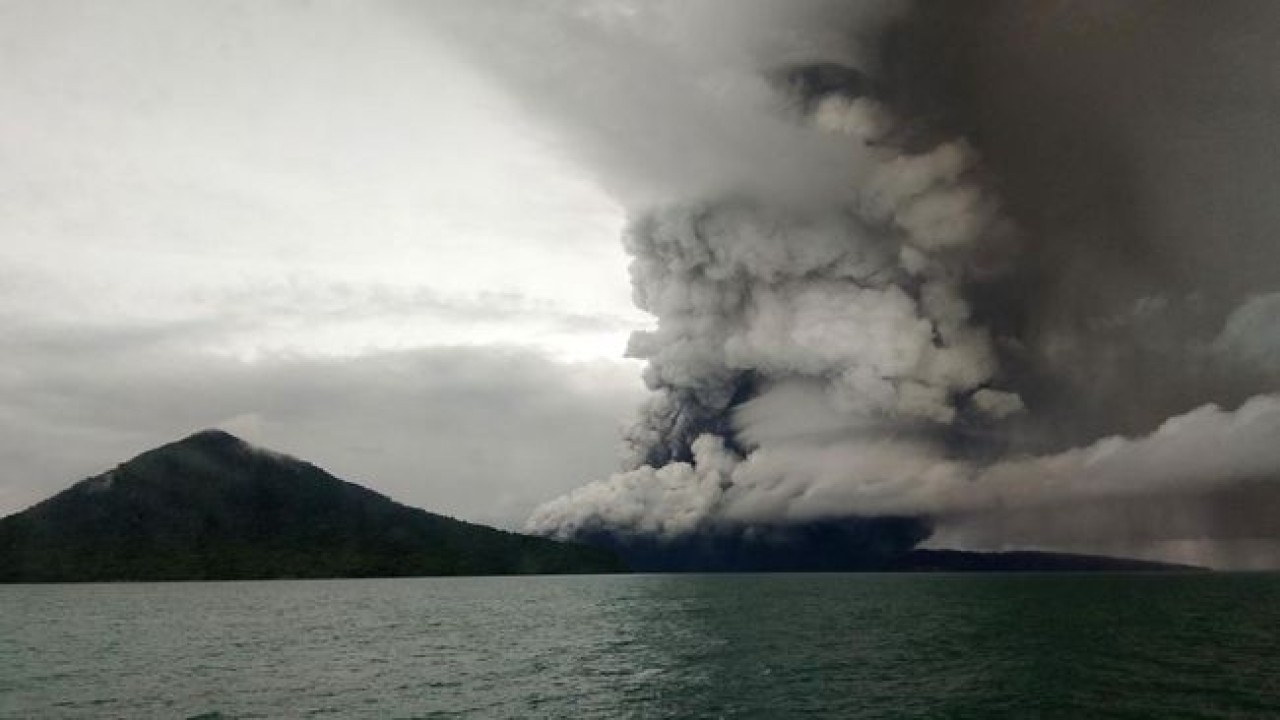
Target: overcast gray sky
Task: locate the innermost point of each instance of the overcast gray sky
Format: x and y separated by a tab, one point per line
309	224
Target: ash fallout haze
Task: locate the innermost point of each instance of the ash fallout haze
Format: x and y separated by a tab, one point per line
995	274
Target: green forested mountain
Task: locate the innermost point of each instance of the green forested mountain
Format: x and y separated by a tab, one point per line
213	507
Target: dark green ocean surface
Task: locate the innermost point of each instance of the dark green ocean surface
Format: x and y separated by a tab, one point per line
745	646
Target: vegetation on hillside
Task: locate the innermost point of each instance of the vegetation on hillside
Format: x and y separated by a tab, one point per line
212	507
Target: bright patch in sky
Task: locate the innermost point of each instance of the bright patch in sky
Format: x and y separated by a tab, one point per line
296	178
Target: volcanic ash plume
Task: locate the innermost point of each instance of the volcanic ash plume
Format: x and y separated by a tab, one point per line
858	339
783	329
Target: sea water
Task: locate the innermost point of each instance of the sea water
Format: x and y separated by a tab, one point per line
649	646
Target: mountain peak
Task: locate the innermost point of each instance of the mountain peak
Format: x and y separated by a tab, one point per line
212	506
212	445
212	437
213	454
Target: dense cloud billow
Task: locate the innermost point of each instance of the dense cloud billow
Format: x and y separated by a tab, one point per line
1002	267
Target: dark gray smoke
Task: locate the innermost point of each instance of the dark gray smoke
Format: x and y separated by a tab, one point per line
997	264
1137	145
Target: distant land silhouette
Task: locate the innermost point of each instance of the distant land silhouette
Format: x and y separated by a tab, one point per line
880	544
213	507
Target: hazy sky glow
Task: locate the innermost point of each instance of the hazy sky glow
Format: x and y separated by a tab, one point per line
198	196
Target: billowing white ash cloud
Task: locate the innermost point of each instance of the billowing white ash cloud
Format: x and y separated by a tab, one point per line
1206	474
776	324
841	303
906	259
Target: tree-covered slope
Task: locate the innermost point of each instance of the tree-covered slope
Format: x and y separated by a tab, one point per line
213	507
